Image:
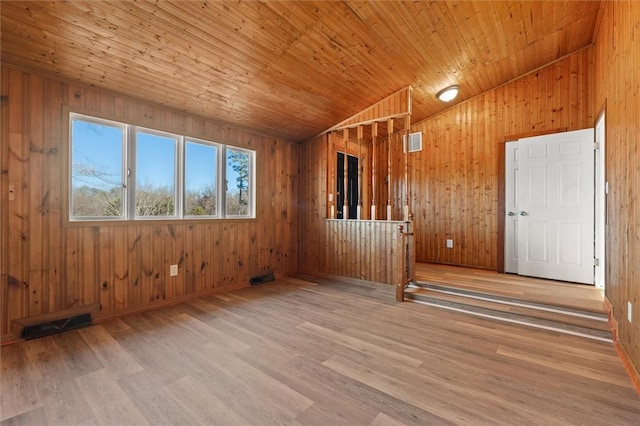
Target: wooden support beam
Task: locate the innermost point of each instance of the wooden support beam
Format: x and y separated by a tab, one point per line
396	105
407	129
359	136
345	198
374	153
332	176
389	133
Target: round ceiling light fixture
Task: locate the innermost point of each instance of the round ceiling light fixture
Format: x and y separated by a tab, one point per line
448	94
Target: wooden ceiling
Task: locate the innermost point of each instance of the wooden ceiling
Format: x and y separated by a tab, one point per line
291	69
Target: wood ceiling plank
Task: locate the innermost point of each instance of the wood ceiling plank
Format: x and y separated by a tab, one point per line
267	89
290	67
175	96
100	47
175	38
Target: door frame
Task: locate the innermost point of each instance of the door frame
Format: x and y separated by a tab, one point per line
600	189
510	221
600	234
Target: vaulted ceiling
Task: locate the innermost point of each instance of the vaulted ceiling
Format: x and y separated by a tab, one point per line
291	68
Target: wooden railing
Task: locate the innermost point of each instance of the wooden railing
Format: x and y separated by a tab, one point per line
371	250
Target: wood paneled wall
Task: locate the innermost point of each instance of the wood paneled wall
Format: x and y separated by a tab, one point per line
391	189
617	80
368	250
313	202
364	249
46	266
454	179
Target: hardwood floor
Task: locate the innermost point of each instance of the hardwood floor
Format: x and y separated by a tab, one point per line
312	353
551	292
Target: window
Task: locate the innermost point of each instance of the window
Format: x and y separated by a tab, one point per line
200	179
97	173
239	186
123	172
155	190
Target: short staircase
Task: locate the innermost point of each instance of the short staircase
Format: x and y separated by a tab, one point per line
561	319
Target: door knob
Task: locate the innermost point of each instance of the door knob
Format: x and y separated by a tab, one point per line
523	213
511	214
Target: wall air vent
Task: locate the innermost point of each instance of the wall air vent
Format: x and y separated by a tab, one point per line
260	279
415	142
54	322
48	328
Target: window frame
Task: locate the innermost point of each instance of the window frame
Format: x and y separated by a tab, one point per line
129	174
132	172
219	176
252	182
123	170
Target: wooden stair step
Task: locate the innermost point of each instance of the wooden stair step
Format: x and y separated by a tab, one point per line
551	314
566	320
500	298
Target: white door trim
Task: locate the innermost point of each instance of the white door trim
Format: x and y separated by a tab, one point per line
511	208
600	202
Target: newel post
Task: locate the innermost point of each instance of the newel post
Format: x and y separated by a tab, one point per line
400	277
407	258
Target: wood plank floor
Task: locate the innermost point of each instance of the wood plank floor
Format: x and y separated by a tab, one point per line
304	353
529	289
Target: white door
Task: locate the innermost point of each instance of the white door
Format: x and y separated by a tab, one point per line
549	206
556	206
511	208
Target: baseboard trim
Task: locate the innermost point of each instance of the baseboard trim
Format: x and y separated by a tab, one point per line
174	301
99	317
343	279
627	363
632	371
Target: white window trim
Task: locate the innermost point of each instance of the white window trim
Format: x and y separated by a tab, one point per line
220	149
178	194
123	176
252	182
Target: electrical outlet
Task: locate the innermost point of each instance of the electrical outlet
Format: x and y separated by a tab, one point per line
629	312
173	270
449	243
